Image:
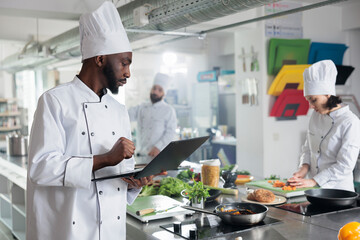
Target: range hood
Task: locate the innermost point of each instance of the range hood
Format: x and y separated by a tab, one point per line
167	15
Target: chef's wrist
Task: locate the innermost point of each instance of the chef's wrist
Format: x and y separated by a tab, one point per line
99	161
313	182
304	170
102	160
305	167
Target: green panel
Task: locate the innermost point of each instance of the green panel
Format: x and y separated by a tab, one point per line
287	51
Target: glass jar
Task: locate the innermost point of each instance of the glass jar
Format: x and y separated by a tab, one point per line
210	172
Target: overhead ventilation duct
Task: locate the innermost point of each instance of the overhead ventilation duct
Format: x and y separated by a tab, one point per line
166	15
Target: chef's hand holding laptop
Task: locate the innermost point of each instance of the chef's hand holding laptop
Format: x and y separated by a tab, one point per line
126	148
168	159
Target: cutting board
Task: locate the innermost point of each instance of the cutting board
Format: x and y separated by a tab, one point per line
157	202
277	191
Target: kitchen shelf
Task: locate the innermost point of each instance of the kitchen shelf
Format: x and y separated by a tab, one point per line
6	221
18	224
19	235
20	209
5	100
5	197
5	212
5	129
12	197
9	114
10	117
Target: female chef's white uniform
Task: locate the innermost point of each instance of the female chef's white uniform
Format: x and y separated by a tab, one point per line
333	139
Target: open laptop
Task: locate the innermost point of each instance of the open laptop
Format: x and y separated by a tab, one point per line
168	159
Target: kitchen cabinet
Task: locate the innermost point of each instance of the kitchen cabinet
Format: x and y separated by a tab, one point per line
9	117
12	196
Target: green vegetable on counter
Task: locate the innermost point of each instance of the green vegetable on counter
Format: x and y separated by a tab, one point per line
229	191
230	167
171	187
197	191
273	177
243	172
187	175
148	191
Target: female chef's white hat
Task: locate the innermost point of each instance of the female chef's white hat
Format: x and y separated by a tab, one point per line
162	80
320	78
102	32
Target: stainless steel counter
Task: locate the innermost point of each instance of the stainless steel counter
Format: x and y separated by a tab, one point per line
292	225
20	161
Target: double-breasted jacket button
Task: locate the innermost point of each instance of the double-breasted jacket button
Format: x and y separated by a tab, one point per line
83	133
118	217
85	106
73	222
113	133
92	134
105	106
100	192
118	189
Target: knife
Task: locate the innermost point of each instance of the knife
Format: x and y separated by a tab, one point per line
154	210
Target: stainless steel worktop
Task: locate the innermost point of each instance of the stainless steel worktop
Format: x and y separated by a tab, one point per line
20	161
292	225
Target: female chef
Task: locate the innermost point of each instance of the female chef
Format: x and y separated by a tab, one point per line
332	143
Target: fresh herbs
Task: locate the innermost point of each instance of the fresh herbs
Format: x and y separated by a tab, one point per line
197	192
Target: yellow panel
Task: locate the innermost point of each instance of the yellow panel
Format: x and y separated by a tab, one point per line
288	74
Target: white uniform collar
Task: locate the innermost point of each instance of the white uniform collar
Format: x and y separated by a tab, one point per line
88	93
344	108
161	102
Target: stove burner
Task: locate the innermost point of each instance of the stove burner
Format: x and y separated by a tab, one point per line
308	209
212	226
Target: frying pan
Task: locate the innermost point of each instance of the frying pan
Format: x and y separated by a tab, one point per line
250	219
331	197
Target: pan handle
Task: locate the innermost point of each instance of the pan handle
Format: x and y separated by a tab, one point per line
199	210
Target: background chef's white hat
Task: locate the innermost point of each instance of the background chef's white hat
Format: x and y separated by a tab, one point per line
162	80
102	32
320	78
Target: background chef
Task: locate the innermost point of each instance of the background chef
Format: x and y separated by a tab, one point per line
80	132
156	120
332	143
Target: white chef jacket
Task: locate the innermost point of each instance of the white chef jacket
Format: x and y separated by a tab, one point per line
71	124
156	125
332	148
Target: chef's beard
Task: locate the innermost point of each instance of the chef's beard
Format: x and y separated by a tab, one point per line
111	79
154	98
